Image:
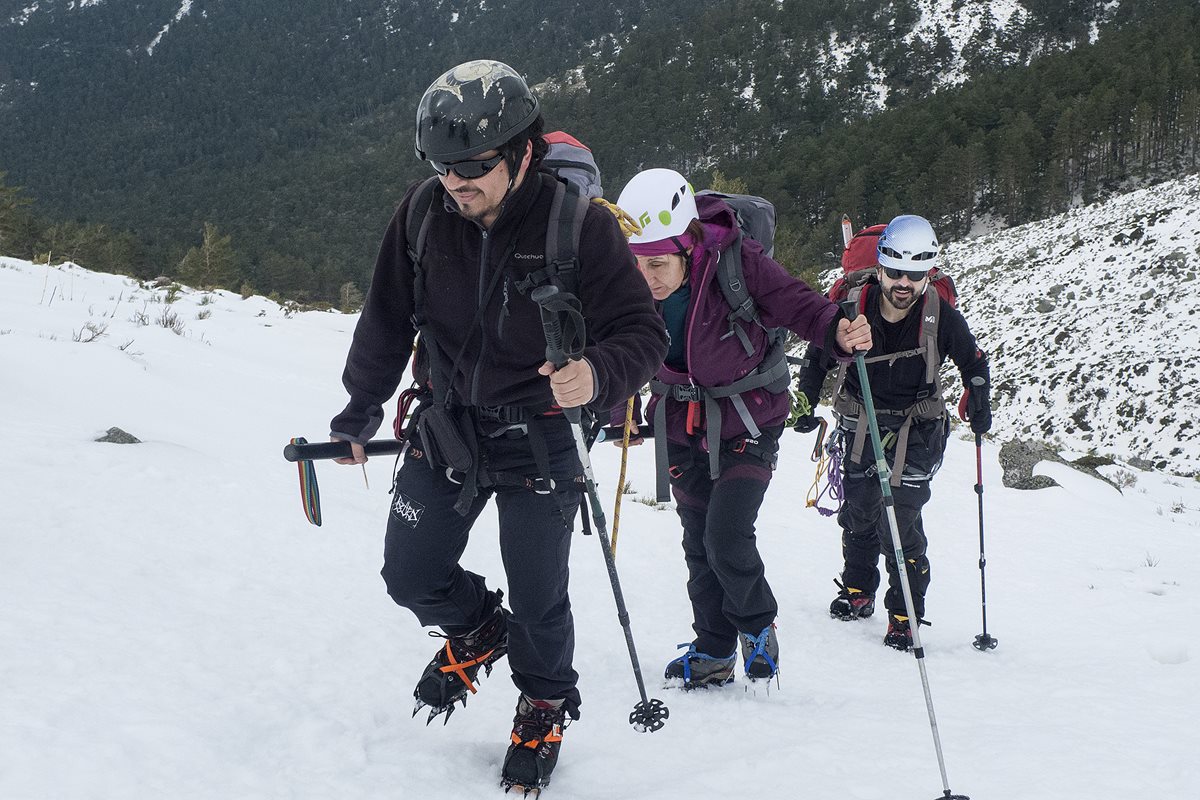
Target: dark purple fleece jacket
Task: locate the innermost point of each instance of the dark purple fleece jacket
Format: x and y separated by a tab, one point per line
715	359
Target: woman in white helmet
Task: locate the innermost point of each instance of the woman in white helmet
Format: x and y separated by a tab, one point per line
719	405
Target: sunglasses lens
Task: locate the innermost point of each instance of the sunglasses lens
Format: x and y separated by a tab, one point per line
897	274
467	170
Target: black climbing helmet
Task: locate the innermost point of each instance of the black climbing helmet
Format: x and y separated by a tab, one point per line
475	107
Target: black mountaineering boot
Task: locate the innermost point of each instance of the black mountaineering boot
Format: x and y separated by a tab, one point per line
899	634
536	738
851	603
451	674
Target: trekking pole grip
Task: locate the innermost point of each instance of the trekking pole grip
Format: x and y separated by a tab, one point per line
548	297
849	308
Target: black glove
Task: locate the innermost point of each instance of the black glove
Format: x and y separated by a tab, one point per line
979	405
807	423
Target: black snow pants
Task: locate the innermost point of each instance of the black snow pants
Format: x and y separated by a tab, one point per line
727	584
865	528
426	538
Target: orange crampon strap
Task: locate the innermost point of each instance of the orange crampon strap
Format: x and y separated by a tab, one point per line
310	496
459	668
553	735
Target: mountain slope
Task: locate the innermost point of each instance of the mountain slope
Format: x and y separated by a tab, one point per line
1091	321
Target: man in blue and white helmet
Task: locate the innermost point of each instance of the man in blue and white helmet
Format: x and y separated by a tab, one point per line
903	368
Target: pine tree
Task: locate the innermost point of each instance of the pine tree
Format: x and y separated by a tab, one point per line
211	265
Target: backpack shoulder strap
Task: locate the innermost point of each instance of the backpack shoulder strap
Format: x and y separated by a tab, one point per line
931	313
564	227
416	228
732	280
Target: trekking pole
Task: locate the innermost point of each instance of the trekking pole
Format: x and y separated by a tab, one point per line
983	642
621	479
889	504
649	714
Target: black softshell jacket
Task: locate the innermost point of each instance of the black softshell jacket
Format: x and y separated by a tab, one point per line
626	341
896	385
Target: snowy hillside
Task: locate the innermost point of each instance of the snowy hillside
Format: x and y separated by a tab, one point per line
173	627
1091	321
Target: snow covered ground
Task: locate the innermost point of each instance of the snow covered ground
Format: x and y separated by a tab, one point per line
171	626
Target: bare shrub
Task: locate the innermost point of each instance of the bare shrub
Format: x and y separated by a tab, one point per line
170	320
90	332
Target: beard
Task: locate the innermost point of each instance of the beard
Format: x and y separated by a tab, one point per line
905	301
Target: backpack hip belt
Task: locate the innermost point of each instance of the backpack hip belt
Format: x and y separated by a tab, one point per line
772	375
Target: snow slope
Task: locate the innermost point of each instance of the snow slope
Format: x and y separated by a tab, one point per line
173	627
1091	321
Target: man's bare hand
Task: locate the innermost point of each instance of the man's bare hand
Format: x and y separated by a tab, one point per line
573	385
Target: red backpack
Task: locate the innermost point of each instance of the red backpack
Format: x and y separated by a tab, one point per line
859	262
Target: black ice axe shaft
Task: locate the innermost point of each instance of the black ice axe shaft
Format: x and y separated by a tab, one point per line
324	450
649	714
884	473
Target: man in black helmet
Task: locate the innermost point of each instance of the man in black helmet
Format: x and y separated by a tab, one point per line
456	265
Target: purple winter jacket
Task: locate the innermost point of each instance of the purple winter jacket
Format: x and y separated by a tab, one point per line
715	359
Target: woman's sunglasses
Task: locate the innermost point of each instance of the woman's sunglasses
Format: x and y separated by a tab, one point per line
468	170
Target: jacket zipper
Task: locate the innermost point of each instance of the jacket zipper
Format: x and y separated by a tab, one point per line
483	282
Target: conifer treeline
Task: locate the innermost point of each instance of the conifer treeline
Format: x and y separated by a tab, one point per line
1019	147
1018	144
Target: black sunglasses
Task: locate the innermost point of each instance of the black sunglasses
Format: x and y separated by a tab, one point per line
897	274
468	170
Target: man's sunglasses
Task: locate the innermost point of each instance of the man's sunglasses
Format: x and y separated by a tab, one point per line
897	274
468	170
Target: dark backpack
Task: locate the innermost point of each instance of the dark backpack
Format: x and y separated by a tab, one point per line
572	161
755	219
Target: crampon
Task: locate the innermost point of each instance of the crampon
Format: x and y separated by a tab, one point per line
450	677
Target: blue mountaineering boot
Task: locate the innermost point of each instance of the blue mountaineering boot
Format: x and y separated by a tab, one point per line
760	654
700	670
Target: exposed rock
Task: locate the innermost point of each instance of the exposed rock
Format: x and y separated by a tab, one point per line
118	436
1018	458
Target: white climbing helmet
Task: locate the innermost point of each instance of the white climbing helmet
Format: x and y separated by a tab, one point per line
663	203
908	243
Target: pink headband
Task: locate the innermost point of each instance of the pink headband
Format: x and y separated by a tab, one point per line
672	244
